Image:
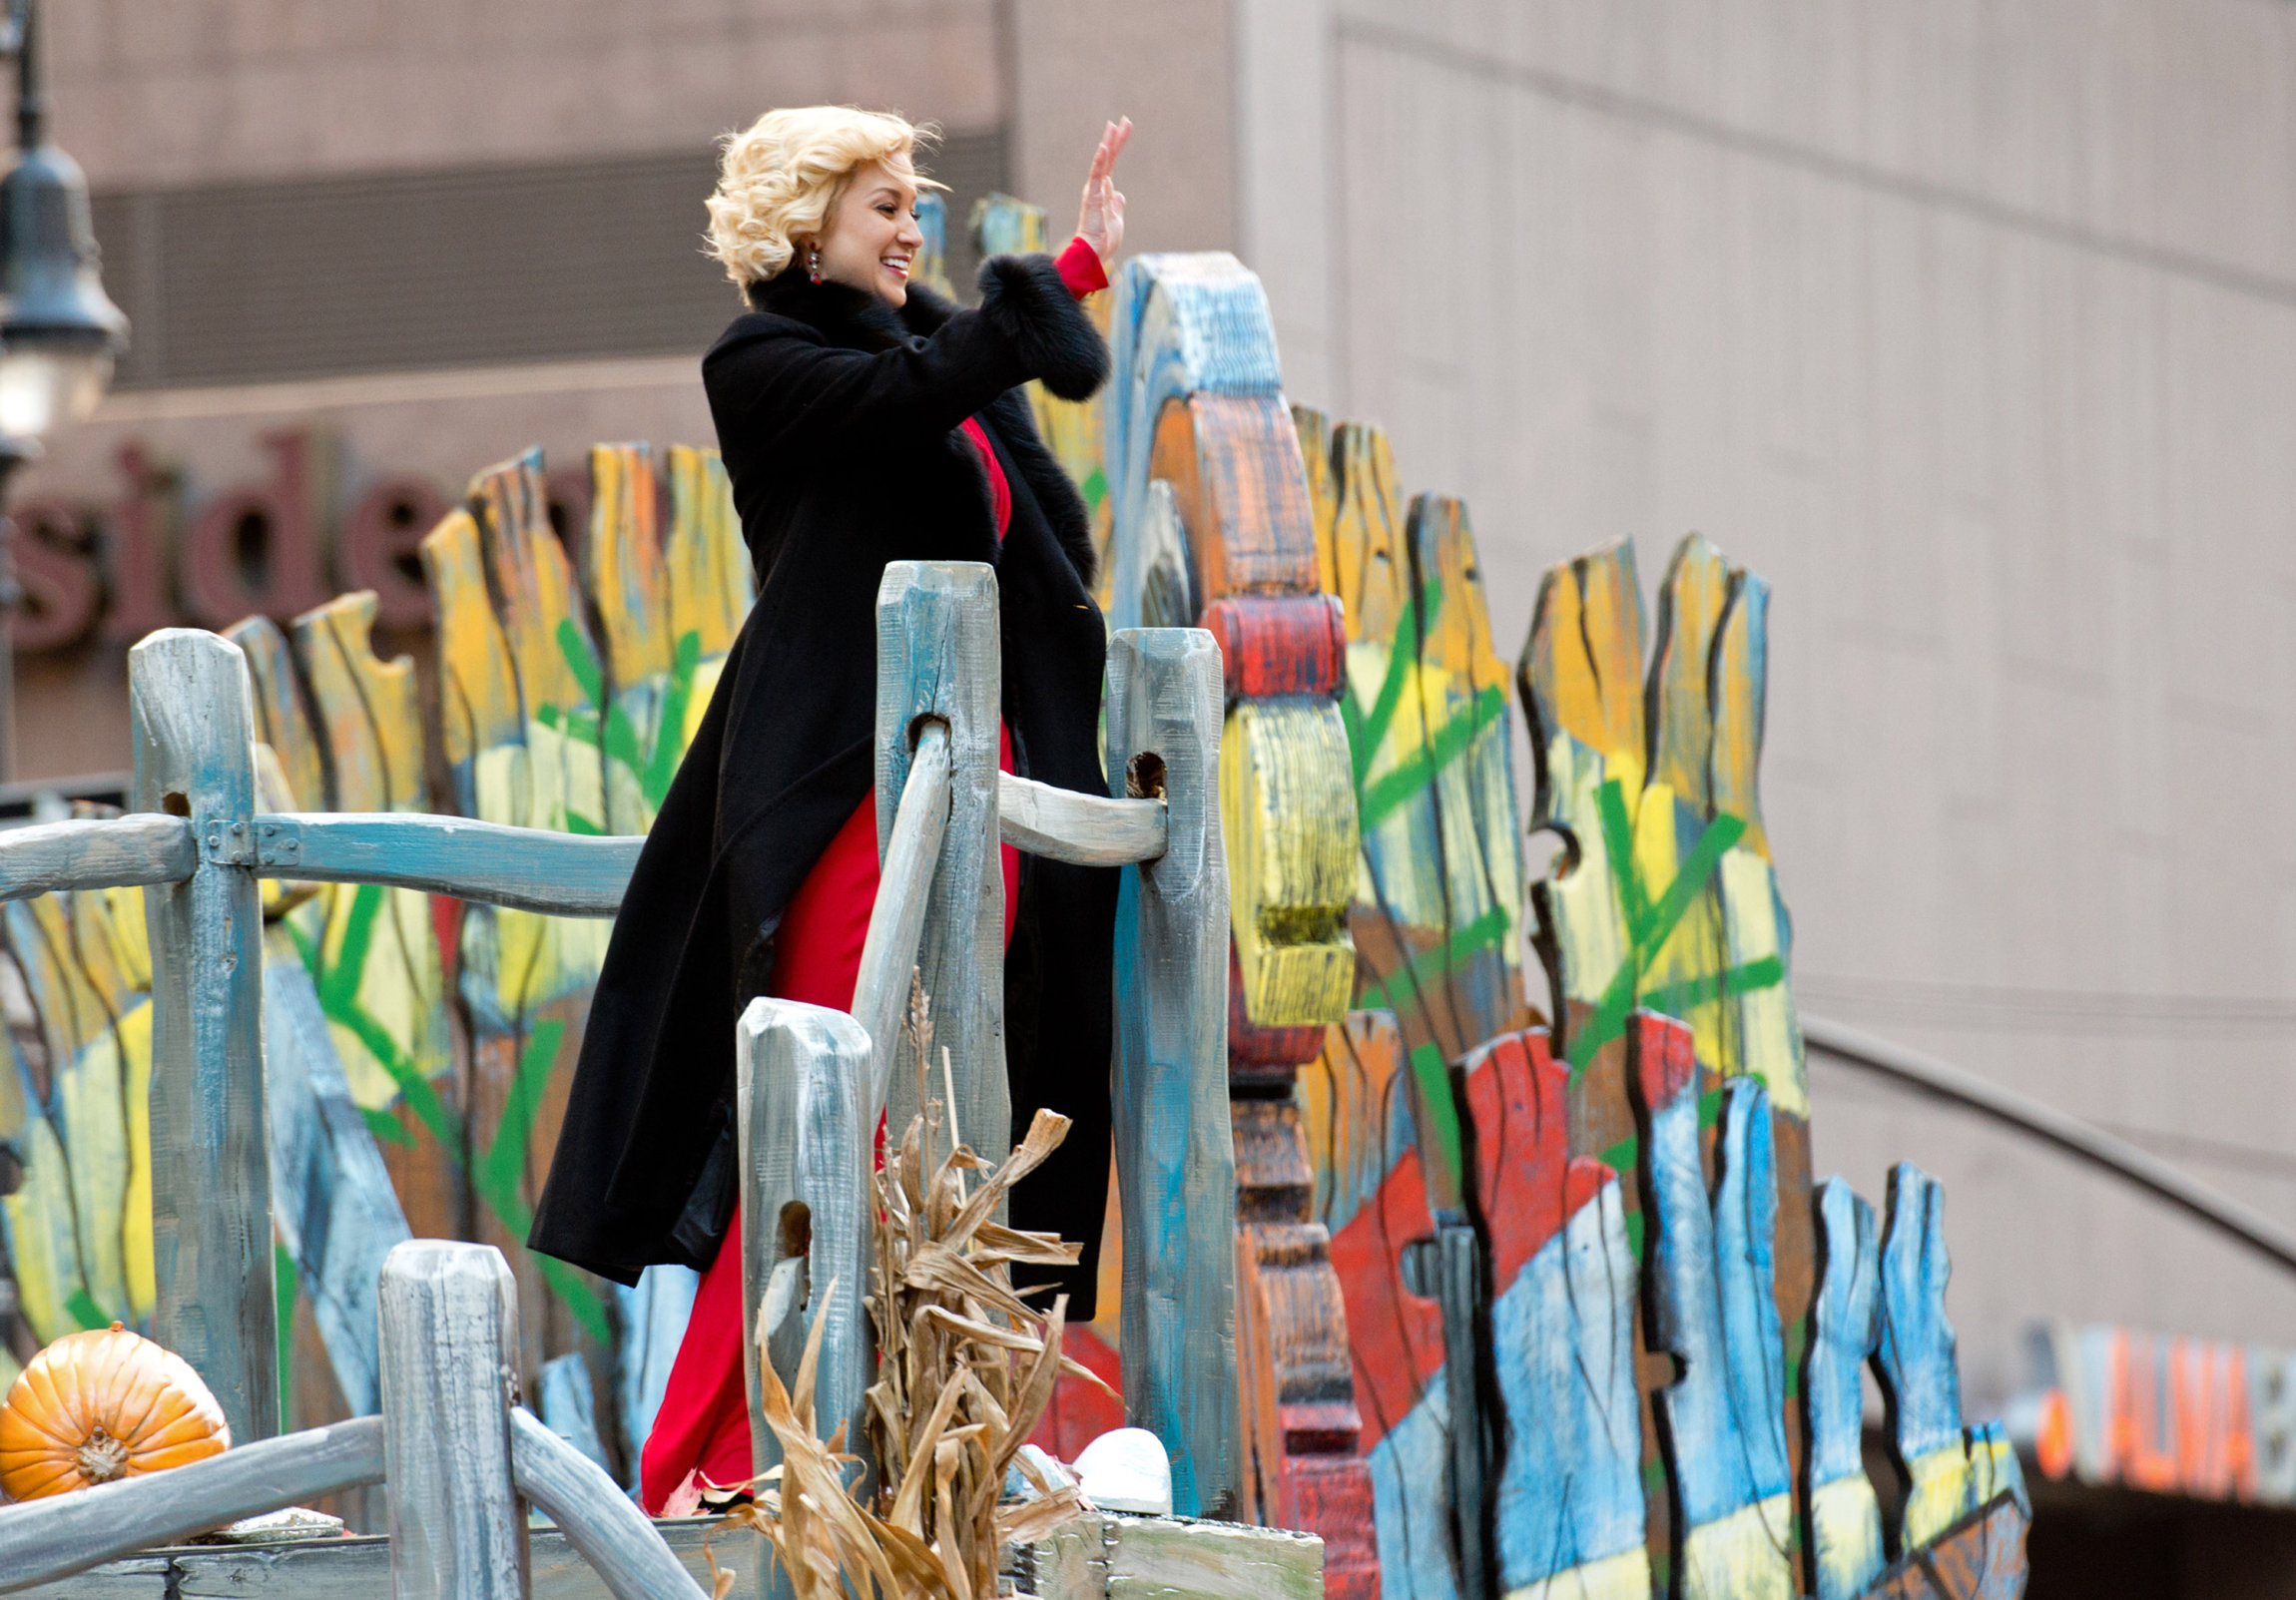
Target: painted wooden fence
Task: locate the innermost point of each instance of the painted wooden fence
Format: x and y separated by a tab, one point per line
443	1032
1589	1351
1511	1310
453	1449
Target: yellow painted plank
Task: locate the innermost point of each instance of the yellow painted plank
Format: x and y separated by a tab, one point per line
711	584
1740	678
1291	859
622	561
370	713
477	689
1581	669
1347	1107
43	1252
1368	557
1766	1031
1665	830
281	720
1314	430
378	971
1690	606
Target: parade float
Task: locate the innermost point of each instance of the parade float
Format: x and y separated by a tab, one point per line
1467	1212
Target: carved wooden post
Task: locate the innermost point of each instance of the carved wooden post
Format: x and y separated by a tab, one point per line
194	730
450	1319
1175	1153
802	1081
937	655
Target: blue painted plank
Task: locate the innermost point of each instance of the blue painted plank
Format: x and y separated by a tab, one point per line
655	1311
1412	1524
1745	1235
1952	1471
570	1407
1916	1340
334	1208
1845	1517
1713	1280
1570	1506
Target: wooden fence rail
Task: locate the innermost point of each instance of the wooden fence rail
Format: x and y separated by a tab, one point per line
454	1448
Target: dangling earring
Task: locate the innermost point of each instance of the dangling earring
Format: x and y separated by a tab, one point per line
813	262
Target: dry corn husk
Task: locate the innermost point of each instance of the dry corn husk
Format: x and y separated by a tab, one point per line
965	1369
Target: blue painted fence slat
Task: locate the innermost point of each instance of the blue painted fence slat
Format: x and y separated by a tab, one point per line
1845	1516
1175	1151
337	1214
193	726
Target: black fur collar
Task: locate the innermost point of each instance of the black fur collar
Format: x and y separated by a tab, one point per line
847	316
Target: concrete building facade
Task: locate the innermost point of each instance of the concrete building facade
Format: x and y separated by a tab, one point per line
1971	328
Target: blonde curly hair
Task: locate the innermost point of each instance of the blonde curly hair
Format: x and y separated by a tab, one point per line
779	178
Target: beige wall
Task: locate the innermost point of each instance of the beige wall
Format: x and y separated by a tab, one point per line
1973	329
198	90
1077	64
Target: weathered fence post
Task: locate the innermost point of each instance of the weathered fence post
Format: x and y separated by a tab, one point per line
1175	1152
937	655
449	1321
193	730
802	1075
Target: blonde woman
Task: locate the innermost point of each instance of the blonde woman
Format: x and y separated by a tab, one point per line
863	421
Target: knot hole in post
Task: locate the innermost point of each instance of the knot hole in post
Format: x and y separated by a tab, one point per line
797	1230
1144	776
176	802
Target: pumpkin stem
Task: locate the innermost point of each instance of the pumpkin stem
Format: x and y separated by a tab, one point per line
103	1458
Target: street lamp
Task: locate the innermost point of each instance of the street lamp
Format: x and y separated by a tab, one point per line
59	331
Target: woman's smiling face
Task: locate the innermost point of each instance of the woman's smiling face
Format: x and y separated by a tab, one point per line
871	237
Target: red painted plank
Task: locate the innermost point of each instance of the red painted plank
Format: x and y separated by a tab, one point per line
1280	644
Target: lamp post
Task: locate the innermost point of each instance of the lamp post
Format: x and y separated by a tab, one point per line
59	331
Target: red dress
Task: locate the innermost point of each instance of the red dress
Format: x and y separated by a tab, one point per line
704	1422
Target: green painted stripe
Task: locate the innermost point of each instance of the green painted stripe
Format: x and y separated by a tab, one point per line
581	660
286	1281
1677	1000
1391	790
1618	840
1431	967
1609	1019
1435	1097
387	1129
85	1311
1366	735
497	1174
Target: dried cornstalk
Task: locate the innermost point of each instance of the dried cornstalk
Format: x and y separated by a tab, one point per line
965	1369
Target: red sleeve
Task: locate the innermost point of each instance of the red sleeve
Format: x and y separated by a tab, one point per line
1080	267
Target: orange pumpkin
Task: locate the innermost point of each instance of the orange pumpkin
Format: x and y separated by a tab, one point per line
102	1405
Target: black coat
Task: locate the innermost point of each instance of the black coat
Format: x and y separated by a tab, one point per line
838	420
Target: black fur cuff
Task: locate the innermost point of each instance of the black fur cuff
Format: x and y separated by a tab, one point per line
1025	299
